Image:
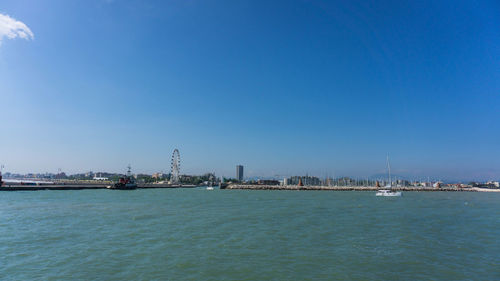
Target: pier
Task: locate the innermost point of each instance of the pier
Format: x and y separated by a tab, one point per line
21	187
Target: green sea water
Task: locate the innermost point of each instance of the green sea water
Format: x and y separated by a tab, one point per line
195	234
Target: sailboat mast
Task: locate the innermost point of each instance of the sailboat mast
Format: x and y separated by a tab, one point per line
389	169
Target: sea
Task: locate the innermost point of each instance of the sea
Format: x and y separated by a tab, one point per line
195	234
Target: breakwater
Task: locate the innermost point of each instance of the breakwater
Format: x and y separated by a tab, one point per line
21	187
344	188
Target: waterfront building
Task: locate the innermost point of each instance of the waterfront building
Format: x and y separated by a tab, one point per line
100	178
239	172
268	182
307	180
60	176
157	175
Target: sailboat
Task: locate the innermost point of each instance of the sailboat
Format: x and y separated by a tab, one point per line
388	191
210	183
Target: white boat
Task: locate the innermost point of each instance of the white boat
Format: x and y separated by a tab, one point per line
211	182
388	192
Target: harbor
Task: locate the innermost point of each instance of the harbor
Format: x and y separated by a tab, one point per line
249	140
389	184
230	227
354	188
84	186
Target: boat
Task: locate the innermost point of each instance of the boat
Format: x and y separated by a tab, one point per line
125	183
1	181
388	191
210	185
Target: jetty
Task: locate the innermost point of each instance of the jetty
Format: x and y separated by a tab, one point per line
346	188
81	186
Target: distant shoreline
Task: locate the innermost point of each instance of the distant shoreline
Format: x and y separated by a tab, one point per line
246	187
478	189
357	188
81	187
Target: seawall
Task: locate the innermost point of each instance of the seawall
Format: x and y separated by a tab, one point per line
344	188
20	187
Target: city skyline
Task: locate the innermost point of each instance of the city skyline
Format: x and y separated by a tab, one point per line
284	88
380	175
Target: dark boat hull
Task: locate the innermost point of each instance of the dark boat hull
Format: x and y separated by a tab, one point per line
123	186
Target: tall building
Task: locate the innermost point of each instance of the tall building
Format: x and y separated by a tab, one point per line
239	172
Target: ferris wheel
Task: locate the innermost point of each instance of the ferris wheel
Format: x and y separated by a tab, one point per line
175	166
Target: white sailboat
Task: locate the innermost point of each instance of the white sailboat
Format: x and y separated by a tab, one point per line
210	183
388	191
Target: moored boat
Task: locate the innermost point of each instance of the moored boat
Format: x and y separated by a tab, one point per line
388	191
125	183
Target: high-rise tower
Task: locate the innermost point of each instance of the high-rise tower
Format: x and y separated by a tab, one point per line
239	172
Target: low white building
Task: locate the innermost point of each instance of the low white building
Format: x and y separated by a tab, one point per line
99	178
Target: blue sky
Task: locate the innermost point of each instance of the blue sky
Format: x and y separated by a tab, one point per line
282	87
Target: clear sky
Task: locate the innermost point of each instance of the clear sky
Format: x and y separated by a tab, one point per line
282	87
